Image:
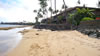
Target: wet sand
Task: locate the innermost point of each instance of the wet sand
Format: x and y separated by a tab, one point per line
56	43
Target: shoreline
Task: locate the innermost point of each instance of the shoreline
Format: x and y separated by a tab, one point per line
56	43
7	28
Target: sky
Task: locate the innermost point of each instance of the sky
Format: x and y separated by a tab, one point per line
22	10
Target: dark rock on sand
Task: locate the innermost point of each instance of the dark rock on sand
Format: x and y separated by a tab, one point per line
91	32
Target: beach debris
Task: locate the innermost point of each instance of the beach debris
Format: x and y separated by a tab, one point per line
24	31
37	33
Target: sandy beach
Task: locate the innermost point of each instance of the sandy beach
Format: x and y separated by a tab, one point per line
56	43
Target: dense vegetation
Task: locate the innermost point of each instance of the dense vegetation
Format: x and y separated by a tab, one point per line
80	14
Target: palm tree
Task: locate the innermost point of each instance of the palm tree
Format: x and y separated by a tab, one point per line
64	4
50	8
98	3
35	11
36	18
55	7
39	15
43	6
78	2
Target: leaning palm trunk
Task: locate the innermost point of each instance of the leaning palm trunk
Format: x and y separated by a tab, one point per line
65	6
55	7
51	8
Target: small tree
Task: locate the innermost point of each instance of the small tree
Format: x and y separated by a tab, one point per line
71	20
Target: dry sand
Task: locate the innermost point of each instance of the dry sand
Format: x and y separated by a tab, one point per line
56	43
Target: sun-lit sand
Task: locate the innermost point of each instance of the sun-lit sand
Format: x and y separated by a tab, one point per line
56	43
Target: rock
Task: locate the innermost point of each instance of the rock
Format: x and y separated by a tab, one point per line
93	35
37	33
91	32
98	34
98	37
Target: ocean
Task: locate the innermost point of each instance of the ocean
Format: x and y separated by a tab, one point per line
9	39
7	25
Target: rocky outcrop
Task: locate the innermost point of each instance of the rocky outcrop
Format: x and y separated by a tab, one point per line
91	32
90	28
92	24
53	26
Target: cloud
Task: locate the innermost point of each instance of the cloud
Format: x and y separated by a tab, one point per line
18	11
6	4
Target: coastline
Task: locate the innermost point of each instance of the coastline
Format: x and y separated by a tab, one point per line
56	43
7	28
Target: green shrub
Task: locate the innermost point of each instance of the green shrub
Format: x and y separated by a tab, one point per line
87	19
80	14
60	17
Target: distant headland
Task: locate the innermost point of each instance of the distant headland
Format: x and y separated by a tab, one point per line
17	23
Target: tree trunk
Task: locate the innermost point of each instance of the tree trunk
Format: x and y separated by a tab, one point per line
51	8
64	4
65	9
55	7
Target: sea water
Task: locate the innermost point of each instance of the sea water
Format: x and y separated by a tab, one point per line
9	39
7	25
